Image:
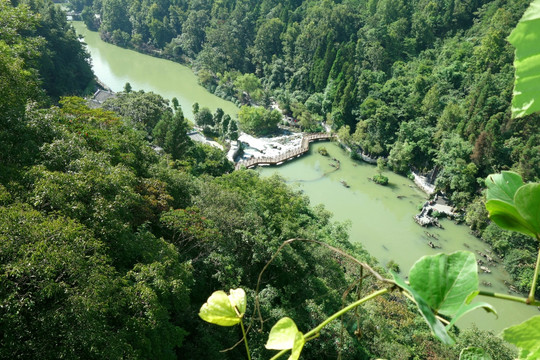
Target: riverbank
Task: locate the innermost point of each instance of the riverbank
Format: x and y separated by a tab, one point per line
380	218
115	66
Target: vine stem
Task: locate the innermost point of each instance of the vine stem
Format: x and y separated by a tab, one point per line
245	338
530	299
509	297
315	331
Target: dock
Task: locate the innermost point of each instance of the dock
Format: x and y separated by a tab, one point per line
289	155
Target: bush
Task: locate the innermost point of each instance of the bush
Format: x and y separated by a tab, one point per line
380	179
392	265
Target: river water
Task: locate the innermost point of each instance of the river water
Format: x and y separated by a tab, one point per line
115	66
381	217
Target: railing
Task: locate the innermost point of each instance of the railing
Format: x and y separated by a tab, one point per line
291	154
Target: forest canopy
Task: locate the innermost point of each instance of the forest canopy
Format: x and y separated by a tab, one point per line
109	245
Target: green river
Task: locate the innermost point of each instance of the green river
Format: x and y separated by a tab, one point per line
381	217
115	66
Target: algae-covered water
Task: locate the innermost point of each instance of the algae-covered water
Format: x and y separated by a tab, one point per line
115	66
381	220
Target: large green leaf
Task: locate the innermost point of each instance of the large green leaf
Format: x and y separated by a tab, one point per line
445	281
220	309
284	335
437	328
525	336
508	217
526	39
502	190
474	353
503	186
444	284
527	201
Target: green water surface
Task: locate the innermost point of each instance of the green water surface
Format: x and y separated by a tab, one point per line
381	220
115	66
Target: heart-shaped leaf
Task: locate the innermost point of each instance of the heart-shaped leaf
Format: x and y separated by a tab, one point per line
526	39
527	202
474	353
503	186
508	217
282	335
437	328
444	284
525	336
512	205
237	298
220	309
445	281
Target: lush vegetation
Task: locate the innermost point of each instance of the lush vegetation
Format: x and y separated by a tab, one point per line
116	226
426	84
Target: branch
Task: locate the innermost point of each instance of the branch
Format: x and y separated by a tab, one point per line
530	299
509	297
339	251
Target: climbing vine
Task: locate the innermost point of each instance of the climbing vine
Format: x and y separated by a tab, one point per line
441	286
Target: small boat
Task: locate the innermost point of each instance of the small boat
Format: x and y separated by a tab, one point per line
344	183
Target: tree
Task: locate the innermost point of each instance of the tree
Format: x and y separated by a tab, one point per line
127	88
142	109
232	132
258	120
171	134
204	117
267	41
249	84
175	104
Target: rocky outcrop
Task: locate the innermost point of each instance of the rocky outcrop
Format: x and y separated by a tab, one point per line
423	183
438	204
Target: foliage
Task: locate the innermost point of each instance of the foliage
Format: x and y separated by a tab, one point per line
141	109
258	120
224	310
525	38
108	243
525	336
380	179
474	353
513	205
444	284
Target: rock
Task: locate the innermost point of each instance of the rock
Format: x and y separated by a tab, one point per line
485	269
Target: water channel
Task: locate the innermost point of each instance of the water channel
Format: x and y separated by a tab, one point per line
115	66
381	217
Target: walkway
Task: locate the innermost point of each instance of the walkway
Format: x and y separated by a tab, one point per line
291	154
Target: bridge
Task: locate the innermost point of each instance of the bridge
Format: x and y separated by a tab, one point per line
281	158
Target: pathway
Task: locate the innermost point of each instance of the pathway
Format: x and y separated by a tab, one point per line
288	155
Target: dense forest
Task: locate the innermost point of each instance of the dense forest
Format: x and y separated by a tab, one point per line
110	243
424	84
